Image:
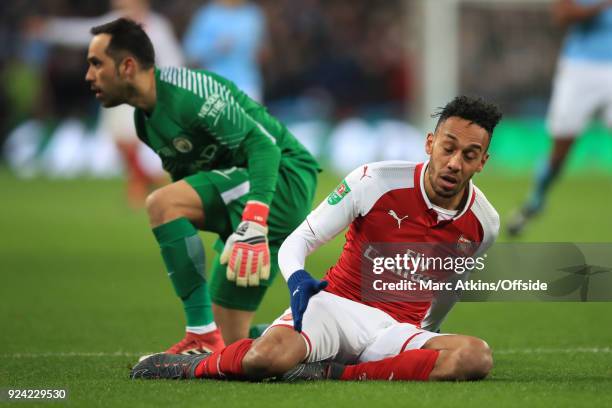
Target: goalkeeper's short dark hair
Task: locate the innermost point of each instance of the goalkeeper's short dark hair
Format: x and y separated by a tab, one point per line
127	37
473	109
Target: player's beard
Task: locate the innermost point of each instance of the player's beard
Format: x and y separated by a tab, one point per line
119	97
111	103
442	192
450	193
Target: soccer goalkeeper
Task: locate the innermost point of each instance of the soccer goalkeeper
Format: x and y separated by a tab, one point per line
236	171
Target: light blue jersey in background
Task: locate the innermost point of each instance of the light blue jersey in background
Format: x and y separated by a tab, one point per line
226	40
590	40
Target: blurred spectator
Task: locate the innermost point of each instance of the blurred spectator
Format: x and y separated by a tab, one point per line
225	37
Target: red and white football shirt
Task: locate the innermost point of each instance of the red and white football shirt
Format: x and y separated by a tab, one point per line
386	202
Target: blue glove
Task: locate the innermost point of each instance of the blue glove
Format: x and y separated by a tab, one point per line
302	287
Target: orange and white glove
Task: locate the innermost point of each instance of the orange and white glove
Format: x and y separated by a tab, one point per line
246	251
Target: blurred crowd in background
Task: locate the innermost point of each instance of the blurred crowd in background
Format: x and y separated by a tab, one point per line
320	47
509	54
343	74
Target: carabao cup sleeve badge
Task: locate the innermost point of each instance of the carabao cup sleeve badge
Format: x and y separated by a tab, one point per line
339	193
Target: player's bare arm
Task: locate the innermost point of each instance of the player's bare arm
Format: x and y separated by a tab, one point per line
566	12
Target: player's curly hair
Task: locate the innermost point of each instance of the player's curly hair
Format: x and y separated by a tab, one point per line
474	109
127	36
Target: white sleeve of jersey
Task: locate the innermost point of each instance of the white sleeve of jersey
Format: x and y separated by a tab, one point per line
298	245
329	219
442	304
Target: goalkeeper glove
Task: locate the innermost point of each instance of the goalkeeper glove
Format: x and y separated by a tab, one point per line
246	251
302	287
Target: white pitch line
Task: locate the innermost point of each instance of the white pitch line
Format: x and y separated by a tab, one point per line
540	350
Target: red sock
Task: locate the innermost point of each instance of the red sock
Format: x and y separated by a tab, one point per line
225	363
409	365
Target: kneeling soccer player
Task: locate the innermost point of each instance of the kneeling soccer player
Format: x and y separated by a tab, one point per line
236	171
330	325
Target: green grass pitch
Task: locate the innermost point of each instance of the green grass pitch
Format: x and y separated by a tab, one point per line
84	293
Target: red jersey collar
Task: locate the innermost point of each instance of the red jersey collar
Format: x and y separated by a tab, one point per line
419	184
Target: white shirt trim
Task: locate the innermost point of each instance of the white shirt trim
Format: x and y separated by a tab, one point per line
429	204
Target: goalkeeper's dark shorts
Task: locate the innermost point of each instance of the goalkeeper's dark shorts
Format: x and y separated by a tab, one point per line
224	195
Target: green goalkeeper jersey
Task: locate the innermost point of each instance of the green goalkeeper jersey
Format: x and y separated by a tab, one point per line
203	122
